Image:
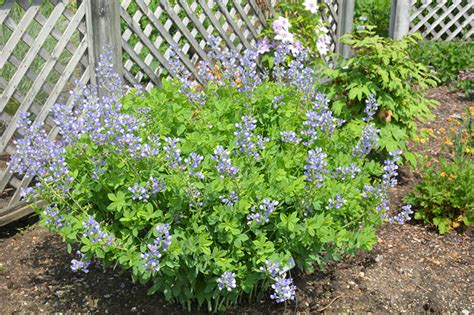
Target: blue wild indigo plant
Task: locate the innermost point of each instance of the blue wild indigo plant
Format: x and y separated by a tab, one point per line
208	191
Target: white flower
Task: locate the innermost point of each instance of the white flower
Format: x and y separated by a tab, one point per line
322	44
295	47
285	37
311	6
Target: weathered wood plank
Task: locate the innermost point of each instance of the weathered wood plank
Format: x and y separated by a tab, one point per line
25	181
216	24
42	76
167	7
30	41
30	55
259	13
18	32
136	58
164	33
145	40
104	32
5	10
234	26
245	18
55	33
196	22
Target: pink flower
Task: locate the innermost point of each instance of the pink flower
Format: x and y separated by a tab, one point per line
285	37
311	6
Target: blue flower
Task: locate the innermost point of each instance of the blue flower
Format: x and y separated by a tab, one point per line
227	281
231	199
155	250
273	268
284	290
53	218
403	216
245	137
367	142
371	108
81	264
289	136
262	215
95	234
336	202
173	153
224	165
343	173
193	162
316	166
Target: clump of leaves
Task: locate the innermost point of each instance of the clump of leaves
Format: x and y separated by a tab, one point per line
447	59
208	192
466	83
383	67
445	196
377	13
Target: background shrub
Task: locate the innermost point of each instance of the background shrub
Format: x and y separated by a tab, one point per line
445	196
383	67
209	192
377	13
446	58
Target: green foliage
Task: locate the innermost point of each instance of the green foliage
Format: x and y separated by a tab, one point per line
466	83
445	196
382	66
446	58
376	12
209	237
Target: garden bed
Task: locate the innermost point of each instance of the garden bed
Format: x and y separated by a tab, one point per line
411	269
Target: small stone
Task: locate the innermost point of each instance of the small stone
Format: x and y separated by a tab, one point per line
465	312
361	274
379	258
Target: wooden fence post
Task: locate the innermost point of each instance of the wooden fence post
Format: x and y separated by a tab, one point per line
346	19
399	18
103	31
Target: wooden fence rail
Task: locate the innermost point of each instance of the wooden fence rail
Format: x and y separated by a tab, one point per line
48	45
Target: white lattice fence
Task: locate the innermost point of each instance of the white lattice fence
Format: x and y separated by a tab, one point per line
150	30
42	52
441	20
435	20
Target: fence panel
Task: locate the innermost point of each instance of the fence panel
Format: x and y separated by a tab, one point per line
152	28
42	53
435	20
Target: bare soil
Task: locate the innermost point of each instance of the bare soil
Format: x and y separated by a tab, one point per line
412	268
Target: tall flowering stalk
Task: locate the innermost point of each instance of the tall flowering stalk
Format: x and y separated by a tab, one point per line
155	250
224	165
315	167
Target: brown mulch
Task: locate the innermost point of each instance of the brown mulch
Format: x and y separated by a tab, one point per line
411	269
